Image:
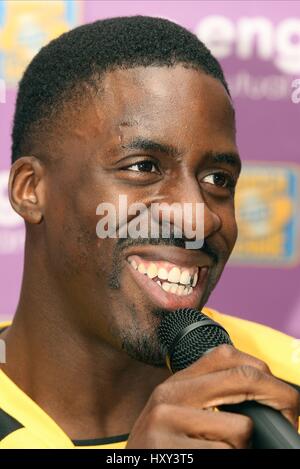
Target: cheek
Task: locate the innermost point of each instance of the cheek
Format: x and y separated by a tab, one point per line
229	227
70	226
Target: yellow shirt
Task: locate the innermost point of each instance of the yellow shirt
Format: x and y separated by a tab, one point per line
23	424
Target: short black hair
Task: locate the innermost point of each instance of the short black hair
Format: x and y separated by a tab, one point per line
84	54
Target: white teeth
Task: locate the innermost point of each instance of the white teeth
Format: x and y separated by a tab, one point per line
166	286
173	288
162	273
174	275
176	289
185	277
142	269
152	270
195	279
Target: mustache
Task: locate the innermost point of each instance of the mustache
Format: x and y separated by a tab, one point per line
206	248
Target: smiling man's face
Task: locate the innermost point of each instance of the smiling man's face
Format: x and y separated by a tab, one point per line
154	134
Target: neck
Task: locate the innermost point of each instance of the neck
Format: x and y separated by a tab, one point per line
90	389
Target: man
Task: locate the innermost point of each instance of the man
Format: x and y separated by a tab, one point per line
136	107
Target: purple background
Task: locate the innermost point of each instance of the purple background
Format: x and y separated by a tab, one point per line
268	131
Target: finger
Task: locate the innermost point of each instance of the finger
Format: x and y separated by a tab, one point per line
193	443
233	430
246	384
220	358
232	386
171	441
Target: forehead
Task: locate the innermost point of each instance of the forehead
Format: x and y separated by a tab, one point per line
171	105
166	98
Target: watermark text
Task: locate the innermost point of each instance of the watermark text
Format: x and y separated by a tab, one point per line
158	220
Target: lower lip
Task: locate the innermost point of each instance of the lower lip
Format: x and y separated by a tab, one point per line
165	300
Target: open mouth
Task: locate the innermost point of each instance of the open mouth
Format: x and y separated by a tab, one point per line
169	285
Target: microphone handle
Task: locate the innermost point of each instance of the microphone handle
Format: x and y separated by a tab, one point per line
271	429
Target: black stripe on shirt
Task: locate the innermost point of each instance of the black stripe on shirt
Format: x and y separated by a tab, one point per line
101	441
8	424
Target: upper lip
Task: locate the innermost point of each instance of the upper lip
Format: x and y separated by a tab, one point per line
179	256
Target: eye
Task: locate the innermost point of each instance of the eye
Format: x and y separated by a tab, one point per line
220	179
146	166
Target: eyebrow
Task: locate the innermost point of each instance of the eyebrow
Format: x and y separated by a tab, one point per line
230	158
145	144
141	143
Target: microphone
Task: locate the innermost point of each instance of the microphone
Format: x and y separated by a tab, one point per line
185	335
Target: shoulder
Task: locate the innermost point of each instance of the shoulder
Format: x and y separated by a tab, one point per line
280	351
4	325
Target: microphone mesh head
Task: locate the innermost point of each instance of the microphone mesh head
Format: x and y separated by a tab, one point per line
195	343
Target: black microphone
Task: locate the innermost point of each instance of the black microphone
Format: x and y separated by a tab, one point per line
185	335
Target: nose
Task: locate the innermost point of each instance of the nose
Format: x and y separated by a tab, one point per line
188	211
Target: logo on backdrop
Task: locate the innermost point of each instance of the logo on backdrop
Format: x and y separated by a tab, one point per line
249	38
25	26
296	91
12	233
267	209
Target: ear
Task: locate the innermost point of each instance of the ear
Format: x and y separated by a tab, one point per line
27	188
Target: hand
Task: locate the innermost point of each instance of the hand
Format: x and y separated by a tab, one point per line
179	413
